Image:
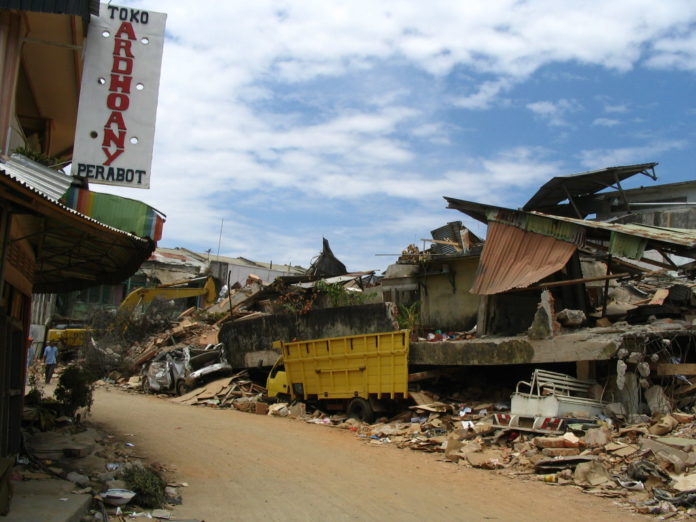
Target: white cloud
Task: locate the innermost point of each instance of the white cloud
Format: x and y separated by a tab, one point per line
600	158
262	108
616	109
554	113
433	132
675	52
301	39
485	95
606	122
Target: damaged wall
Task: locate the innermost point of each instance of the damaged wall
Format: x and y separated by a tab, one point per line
446	302
248	342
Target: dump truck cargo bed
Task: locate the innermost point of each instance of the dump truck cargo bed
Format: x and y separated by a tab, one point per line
367	366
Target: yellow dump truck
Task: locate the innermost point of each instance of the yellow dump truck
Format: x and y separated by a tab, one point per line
360	374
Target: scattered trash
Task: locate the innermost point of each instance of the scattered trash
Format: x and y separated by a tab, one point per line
117	497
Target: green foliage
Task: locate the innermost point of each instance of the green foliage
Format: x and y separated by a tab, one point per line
74	389
45	417
295	302
408	316
41	412
38	157
147	484
338	295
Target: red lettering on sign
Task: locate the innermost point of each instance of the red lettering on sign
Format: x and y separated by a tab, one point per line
122	65
111	156
123	45
118	101
122	83
127	29
113	138
117	118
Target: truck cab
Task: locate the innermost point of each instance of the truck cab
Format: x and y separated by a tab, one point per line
277	382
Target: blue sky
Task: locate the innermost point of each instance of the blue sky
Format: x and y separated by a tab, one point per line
297	120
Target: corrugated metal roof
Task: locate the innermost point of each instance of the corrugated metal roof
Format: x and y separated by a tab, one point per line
73	251
336	279
48	181
449	232
28	185
478	211
560	188
540	224
677	236
516	258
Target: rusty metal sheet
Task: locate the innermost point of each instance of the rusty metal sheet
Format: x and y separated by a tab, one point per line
515	258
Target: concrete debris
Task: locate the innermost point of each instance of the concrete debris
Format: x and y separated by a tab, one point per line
544	325
237	391
657	399
93	473
591	474
627	463
571	318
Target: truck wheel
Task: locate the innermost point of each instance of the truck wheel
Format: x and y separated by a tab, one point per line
360	409
181	388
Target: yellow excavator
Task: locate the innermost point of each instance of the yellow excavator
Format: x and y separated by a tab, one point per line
144	296
72	338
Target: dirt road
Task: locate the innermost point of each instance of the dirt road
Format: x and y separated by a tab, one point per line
252	467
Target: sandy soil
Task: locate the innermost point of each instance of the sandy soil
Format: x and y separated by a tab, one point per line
242	466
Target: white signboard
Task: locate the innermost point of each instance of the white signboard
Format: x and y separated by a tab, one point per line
118	98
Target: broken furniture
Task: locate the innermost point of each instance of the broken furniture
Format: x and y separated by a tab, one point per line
554	394
551	397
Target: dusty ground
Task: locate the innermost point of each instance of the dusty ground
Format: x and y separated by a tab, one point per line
243	466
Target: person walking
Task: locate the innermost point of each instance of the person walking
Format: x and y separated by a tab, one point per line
50	357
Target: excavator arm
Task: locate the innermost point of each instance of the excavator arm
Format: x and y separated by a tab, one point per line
147	295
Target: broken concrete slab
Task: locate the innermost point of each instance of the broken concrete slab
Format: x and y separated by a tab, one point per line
33	499
657	399
571	347
678	458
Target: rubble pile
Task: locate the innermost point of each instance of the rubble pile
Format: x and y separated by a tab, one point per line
237	391
186	332
650	468
172	361
95	463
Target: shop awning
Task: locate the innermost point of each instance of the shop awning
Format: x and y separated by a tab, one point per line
72	251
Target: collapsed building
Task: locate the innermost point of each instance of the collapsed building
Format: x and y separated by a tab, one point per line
547	290
484	295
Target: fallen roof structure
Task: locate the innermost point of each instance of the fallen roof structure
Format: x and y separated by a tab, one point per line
578	187
542	244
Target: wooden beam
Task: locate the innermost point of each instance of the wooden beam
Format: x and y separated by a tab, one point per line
570	282
685	389
665	369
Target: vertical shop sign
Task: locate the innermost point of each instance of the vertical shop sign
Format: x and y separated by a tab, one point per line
118	97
